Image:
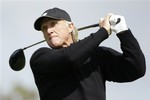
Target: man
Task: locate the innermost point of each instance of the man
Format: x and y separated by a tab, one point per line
78	70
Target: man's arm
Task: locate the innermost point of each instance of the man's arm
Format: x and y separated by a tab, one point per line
128	66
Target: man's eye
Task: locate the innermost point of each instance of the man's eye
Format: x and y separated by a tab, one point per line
53	24
43	28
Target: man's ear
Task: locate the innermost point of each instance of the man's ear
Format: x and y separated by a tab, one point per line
71	27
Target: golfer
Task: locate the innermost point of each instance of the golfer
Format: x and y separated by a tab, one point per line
72	69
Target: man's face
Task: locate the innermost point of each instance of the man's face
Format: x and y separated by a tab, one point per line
57	32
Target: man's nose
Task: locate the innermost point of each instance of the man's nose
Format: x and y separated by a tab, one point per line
50	30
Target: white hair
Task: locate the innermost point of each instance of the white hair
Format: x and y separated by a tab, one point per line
74	33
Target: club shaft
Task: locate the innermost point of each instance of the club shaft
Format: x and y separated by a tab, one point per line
79	29
33	44
86	27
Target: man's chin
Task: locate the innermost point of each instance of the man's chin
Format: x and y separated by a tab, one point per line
55	46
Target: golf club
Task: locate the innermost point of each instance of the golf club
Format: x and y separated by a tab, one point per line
17	58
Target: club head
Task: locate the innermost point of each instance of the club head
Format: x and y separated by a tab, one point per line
17	60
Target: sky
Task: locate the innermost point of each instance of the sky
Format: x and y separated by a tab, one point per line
16	31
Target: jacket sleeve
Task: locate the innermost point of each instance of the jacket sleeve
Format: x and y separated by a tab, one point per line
126	66
57	61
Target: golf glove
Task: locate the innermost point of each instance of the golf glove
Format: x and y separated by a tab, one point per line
118	23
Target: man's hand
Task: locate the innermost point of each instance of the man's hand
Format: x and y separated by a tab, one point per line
118	23
104	22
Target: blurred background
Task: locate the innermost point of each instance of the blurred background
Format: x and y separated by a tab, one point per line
16	31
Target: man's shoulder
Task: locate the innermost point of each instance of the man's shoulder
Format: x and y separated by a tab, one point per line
41	51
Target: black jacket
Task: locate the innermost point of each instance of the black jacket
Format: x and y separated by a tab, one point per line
79	72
